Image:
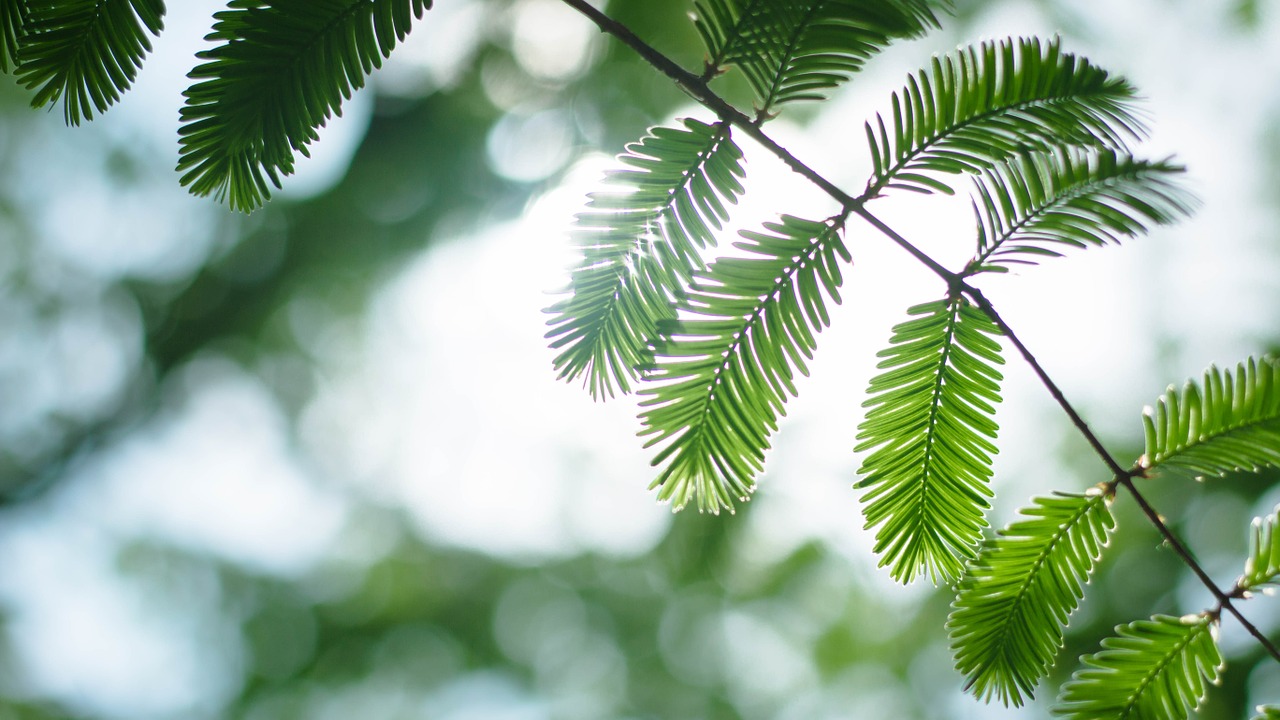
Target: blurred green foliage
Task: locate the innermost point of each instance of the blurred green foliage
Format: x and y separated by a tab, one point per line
700	627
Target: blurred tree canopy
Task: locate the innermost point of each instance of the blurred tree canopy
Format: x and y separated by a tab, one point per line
114	285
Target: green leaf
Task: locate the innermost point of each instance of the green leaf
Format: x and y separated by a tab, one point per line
83	52
794	49
640	247
1157	669
722	377
992	101
930	428
1015	597
282	68
1035	204
1267	712
1262	568
1226	423
13	23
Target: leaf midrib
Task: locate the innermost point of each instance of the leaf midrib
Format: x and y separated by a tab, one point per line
784	65
715	63
876	185
1243	427
609	316
935	407
251	121
62	75
786	279
1064	197
1033	577
1165	661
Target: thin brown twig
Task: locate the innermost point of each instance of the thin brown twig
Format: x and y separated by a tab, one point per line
696	87
1224	599
951	279
985	305
1122	476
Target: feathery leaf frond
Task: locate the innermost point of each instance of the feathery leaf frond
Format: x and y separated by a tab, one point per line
991	101
1015	597
282	69
1033	203
1262	569
84	52
794	49
13	23
722	377
1226	423
930	429
640	248
1157	669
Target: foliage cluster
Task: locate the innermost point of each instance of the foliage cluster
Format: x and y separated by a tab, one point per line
714	344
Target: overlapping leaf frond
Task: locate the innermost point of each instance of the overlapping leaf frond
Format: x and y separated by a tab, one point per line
83	52
1015	597
794	49
1262	569
640	247
13	23
1157	669
1229	421
930	428
1035	204
280	70
722	376
989	102
1267	712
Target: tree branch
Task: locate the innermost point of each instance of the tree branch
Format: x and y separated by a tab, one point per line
1224	600
1122	476
1107	458
696	87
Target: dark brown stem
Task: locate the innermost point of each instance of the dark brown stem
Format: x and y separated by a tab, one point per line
947	276
985	305
1224	600
1122	476
696	88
